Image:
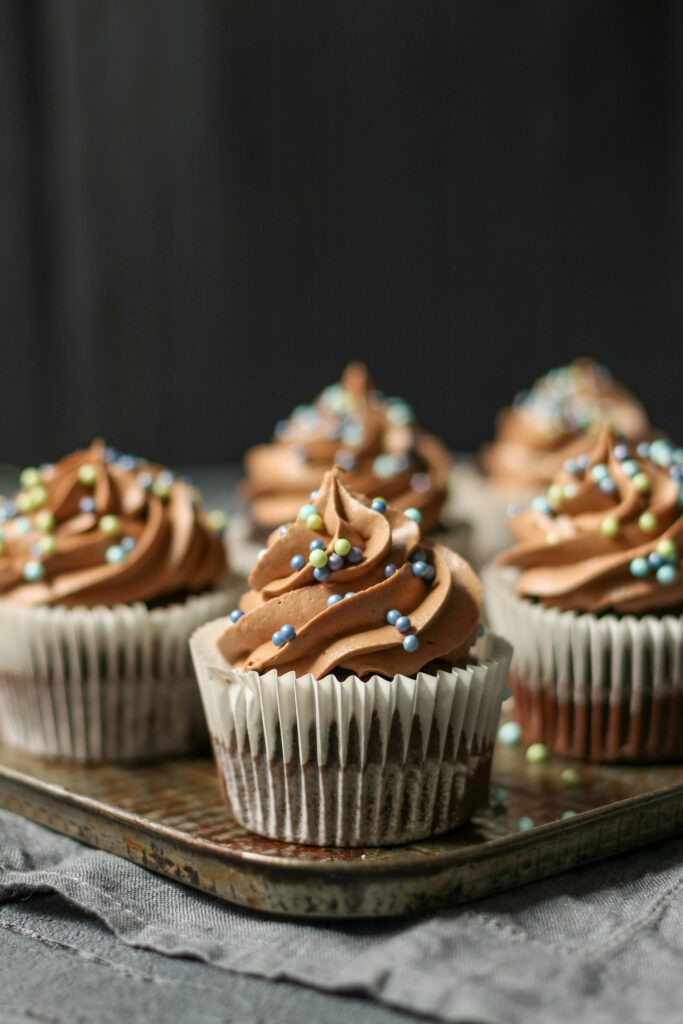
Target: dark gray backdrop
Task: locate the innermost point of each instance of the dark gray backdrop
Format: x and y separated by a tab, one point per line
207	208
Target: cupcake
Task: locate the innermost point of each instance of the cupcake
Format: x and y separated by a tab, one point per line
349	699
374	439
543	428
107	565
591	597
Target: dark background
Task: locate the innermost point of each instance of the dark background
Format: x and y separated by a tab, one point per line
207	208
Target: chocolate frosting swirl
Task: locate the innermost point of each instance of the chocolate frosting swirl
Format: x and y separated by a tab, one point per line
353	634
539	432
609	533
374	439
97	529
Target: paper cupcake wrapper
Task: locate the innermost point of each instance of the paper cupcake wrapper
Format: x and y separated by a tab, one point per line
346	762
606	688
244	550
103	684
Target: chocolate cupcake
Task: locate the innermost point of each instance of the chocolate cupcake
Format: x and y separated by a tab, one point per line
374	439
107	565
591	597
348	699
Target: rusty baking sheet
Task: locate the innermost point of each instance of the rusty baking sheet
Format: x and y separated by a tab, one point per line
169	818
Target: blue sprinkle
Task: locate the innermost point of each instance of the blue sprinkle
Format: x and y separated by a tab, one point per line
676	472
429	574
599	472
33	571
630	468
568	814
655	560
297	562
8	510
278	639
350	593
115	554
667	574
607	485
87	504
125	462
236	614
145	479
355	556
316	544
411	644
524	824
288	631
335	562
390	569
419	568
621	452
499	795
403	624
418	555
639	567
321	574
334	599
571	466
583	461
109	454
22	524
281	428
283	529
393	616
510	734
643	449
36	550
313	495
481	630
377	505
414	514
541	505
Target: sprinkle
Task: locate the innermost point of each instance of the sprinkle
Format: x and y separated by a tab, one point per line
335	562
350	593
552	538
313	495
643	449
621	452
316	544
307	510
570	490
355	556
297	562
570	777
667	574
334	599
654	560
236	614
109	524
536	753
420	482
321	573
648	522
399	412
666	548
411	644
583	462
278	639
629	468
524	824
115	554
378	505
609	527
384	466
599	472
429	574
345	458
8	510
541	505
87	474
128	543
87	505
45	520
639	567
641	482
109	454
403	624
261	553
341	546
568	814
22	524
288	631
283	529
46	545
555	494
571	466
314	522
607	485
419	568
510	734
414	514
392	616
390	569
318	558
29	477
33	571
499	796
217	519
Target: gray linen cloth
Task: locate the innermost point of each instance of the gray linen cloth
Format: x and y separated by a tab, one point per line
604	943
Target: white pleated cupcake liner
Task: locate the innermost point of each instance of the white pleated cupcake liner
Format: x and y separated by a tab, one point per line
351	763
103	684
244	550
604	687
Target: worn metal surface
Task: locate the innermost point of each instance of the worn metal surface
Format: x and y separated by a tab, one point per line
169	818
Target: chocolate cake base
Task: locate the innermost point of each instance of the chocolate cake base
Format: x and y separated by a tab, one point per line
601	729
379	802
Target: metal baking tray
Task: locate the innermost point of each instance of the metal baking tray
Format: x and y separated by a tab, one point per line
169	818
